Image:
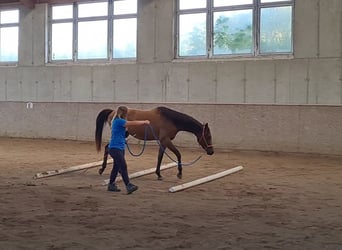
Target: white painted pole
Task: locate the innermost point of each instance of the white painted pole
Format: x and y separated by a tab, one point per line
204	179
70	169
144	172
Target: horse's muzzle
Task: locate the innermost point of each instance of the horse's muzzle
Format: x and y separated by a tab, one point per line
210	151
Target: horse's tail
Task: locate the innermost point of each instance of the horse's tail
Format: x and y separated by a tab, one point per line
100	122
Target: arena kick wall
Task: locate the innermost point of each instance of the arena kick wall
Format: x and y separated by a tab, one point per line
287	128
291	104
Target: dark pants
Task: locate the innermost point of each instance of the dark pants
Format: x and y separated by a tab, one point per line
119	165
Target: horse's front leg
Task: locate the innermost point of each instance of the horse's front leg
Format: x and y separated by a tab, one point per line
172	147
105	157
160	158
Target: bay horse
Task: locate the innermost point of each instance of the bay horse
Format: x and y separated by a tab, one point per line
165	123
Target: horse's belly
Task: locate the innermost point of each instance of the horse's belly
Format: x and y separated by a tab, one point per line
137	133
143	133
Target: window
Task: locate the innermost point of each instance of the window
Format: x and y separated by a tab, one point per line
9	35
97	30
225	28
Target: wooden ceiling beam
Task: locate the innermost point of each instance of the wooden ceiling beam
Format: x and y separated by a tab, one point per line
8	1
28	3
31	3
59	1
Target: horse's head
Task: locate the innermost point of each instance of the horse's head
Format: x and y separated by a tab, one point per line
204	139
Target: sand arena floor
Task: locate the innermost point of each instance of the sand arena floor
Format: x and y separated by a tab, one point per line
278	201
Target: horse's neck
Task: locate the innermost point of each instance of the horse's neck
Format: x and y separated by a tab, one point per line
182	122
191	126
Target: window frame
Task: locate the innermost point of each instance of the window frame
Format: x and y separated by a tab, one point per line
75	20
8	25
255	6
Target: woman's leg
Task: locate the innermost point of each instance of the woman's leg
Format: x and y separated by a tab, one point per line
124	173
116	166
121	165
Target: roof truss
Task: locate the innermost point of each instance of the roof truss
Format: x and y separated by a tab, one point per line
31	3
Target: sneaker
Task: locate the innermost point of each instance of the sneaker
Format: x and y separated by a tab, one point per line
113	188
131	188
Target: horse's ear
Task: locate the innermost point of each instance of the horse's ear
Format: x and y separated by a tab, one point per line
206	124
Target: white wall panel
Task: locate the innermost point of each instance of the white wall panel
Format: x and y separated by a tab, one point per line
306	28
282	84
299	81
28	84
260	82
103	83
325	79
3	83
45	87
60	77
13	87
230	82
177	86
151	83
82	85
330	28
126	83
202	84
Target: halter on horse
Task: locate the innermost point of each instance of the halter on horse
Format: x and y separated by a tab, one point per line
165	124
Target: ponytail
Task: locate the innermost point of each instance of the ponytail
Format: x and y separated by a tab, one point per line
121	112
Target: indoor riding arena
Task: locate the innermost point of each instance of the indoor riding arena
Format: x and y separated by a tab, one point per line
241	102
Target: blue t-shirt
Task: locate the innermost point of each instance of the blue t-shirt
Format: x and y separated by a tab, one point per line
118	138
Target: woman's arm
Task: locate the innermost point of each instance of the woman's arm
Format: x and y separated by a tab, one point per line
135	123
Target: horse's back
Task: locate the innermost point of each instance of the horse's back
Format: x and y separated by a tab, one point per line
138	114
157	122
139	131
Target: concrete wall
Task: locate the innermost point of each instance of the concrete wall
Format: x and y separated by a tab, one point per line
313	77
289	128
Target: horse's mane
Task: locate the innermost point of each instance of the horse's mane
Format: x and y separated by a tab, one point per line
183	122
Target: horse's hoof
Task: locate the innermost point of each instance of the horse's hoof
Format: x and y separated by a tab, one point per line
160	178
101	171
179	176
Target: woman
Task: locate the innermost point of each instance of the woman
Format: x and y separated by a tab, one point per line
117	149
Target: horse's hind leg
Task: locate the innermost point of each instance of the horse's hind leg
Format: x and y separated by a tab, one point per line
160	158
105	157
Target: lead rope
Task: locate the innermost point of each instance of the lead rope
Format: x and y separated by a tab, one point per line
159	144
143	148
